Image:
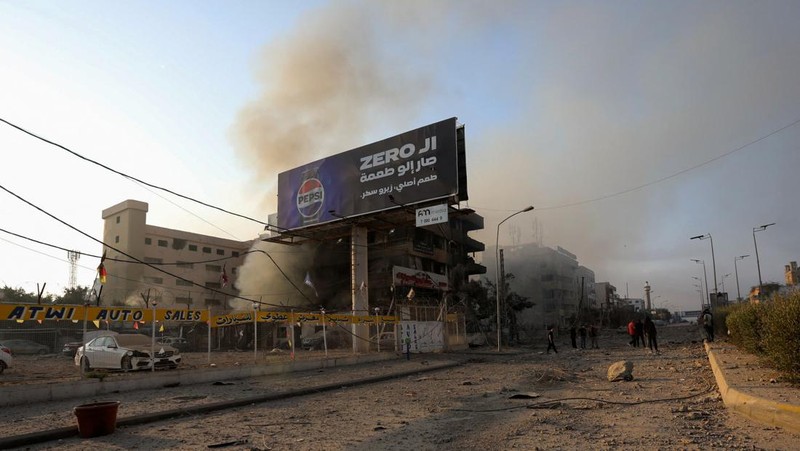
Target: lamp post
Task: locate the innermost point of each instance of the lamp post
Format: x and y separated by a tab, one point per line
707	236
758	264
498	289
705	276
699	286
722	282
736	270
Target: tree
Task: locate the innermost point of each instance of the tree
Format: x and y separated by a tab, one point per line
74	296
10	295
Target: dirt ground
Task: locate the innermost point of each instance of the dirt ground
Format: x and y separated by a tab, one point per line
521	399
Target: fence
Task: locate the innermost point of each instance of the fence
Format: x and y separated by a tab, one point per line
200	330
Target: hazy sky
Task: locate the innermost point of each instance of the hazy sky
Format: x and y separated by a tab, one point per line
630	126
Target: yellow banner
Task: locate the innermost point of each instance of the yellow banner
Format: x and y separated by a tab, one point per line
232	319
29	312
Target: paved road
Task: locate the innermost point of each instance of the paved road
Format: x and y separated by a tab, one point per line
513	401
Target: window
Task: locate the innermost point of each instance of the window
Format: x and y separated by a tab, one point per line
117	219
215	285
213	302
214	268
183	300
183	283
206	250
186	265
156	280
193	247
178	243
116	239
148	241
162	243
235	253
220	251
152	260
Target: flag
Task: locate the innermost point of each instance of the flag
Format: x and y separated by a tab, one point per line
96	323
161	329
136	325
101	269
223	276
410	294
363	286
310	283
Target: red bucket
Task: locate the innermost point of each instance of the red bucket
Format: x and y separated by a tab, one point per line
96	419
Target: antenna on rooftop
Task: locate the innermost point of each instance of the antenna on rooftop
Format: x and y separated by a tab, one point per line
73	257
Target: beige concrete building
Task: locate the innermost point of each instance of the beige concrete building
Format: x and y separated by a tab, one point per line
182	268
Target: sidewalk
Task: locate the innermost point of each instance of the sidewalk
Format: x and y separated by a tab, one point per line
751	389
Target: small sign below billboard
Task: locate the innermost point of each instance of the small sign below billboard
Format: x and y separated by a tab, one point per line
435	214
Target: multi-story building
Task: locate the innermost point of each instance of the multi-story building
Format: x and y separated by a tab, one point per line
550	278
606	294
182	268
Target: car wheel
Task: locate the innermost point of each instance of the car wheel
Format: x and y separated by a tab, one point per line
85	365
2	366
126	364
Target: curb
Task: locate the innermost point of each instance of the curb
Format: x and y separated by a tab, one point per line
764	411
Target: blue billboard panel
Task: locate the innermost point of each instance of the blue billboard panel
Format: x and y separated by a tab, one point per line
416	166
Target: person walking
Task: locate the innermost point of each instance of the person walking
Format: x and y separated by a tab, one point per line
650	330
632	333
573	335
708	324
551	341
593	333
582	333
639	332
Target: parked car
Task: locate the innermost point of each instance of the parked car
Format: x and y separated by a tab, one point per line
386	341
336	337
5	358
181	344
70	348
22	346
126	352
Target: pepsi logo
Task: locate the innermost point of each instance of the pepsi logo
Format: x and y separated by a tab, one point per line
310	197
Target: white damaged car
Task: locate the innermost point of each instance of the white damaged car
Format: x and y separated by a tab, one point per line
126	352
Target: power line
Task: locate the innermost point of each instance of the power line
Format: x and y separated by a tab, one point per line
663	179
130	177
148	264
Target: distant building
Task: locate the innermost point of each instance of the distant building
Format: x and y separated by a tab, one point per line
606	294
551	278
191	259
637	304
792	274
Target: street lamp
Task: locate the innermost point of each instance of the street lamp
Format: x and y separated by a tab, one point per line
699	286
713	260
736	270
705	276
722	282
498	290
758	264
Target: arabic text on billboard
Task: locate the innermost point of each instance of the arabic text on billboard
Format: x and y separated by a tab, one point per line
412	167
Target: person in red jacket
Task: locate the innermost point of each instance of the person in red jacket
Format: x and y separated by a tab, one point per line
632	333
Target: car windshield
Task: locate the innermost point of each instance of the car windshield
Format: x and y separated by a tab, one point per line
133	340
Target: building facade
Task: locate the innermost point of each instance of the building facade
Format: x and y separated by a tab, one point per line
174	267
560	288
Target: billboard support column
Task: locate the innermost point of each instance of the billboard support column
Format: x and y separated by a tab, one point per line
358	286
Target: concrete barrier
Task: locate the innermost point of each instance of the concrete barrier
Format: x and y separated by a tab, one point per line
772	413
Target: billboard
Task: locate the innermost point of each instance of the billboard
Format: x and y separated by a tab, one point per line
412	167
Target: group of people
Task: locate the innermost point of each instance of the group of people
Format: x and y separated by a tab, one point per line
590	330
639	329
